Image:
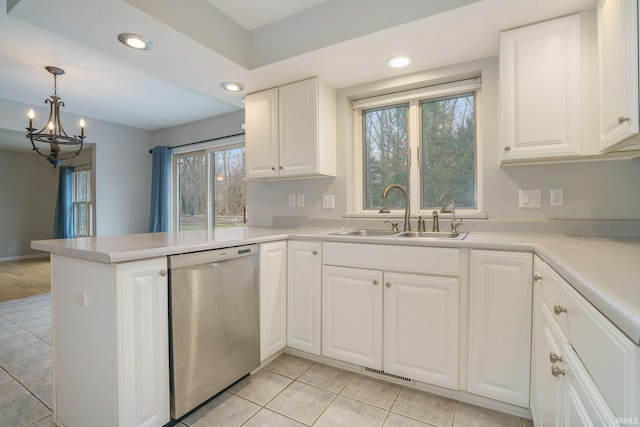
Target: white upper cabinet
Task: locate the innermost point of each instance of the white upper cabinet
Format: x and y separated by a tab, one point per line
290	131
618	72
540	90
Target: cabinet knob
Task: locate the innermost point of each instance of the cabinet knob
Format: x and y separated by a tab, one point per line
555	371
163	272
554	357
558	309
388	284
273	168
375	282
507	148
281	167
536	277
623	119
315	252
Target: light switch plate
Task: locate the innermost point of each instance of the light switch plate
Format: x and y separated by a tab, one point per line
529	198
300	200
556	197
292	200
328	201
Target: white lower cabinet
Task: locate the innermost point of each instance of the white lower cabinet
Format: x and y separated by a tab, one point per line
273	298
500	325
585	371
402	323
110	336
304	269
421	328
352	315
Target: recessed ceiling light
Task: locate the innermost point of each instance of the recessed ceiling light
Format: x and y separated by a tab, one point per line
399	61
135	41
232	86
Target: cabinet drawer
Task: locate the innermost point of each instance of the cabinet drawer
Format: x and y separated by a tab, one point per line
406	259
611	358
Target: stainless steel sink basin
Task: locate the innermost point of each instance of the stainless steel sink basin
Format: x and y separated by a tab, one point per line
401	234
432	235
365	232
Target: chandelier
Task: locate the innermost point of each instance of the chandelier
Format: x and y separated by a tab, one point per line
52	133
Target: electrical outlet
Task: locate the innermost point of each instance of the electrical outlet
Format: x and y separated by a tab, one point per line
292	200
529	198
557	197
328	201
300	200
81	298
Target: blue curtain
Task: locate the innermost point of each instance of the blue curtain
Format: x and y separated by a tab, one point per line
63	222
160	189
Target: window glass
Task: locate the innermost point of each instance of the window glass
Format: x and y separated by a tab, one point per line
386	146
228	187
82	214
448	150
192	191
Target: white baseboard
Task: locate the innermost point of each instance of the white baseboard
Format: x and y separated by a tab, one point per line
20	257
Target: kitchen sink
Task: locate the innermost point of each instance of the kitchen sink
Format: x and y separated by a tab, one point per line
366	232
401	234
433	235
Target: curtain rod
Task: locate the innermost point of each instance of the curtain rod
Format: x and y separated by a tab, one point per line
81	165
203	141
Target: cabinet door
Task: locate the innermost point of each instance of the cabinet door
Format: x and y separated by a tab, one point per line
352	315
540	90
299	128
273	294
261	134
618	67
142	343
500	325
421	328
304	288
546	389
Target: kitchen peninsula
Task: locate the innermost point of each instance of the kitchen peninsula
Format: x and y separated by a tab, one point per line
110	332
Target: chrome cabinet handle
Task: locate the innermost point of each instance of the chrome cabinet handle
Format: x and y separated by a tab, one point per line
507	148
623	119
315	252
554	357
555	371
558	309
375	282
388	284
536	277
163	272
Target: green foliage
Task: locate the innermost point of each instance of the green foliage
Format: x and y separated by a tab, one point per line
448	150
385	156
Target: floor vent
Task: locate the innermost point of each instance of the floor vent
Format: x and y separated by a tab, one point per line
379	372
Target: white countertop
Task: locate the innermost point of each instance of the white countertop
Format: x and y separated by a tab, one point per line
606	271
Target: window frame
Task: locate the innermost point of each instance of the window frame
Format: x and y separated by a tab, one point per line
205	148
413	98
86	204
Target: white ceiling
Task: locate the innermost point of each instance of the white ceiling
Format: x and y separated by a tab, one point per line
200	43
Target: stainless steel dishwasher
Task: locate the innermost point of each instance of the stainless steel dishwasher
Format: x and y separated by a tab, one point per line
214	323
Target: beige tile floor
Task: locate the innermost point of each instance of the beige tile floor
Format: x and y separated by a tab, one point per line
290	391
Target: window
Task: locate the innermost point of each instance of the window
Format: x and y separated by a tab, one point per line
82	203
424	140
210	188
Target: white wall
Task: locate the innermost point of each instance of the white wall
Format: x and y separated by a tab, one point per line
592	190
122	166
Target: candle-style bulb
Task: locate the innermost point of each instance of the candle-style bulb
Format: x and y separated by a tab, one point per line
31	114
81	123
81	128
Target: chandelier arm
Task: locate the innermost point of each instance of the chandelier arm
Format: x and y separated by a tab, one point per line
58	125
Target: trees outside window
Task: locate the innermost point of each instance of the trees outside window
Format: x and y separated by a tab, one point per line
210	188
424	140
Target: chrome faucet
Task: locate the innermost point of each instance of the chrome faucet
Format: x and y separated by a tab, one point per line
407	223
450	201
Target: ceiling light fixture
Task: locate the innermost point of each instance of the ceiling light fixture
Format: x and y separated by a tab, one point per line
52	133
232	86
399	61
135	41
